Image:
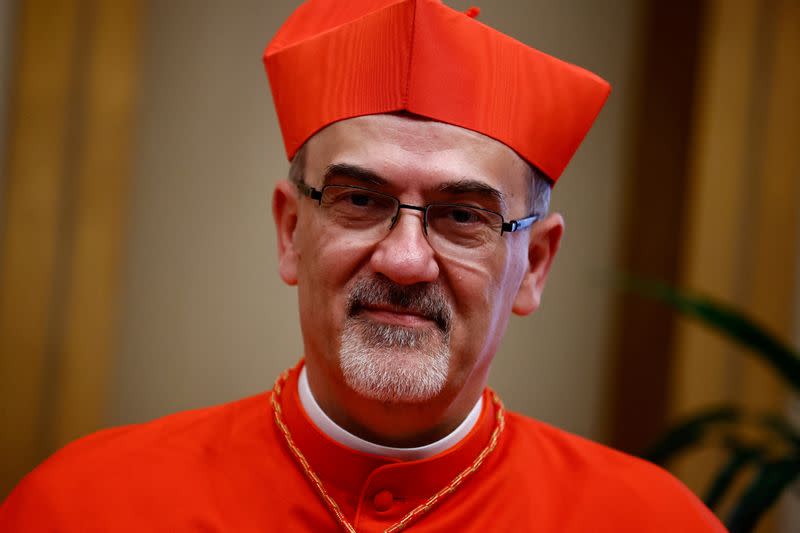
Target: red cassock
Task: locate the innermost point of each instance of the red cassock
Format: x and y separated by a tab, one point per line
228	468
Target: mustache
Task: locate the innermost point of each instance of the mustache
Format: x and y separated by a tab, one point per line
425	299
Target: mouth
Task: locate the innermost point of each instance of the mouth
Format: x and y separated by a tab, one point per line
397	316
381	301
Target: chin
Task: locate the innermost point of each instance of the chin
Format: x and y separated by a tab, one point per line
393	364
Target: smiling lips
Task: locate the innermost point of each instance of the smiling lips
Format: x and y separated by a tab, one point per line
396	315
382	301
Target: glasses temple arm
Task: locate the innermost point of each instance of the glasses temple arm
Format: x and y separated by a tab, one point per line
516	225
309	191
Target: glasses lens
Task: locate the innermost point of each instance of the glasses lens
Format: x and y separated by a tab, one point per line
356	208
461	227
457	230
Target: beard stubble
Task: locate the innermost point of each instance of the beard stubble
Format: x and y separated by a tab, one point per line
392	363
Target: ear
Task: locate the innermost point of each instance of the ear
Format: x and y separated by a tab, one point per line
545	238
284	212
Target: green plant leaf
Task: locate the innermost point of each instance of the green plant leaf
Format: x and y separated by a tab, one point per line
741	456
724	319
690	431
762	492
781	427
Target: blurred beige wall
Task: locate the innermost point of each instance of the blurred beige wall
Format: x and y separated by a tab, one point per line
204	315
7	13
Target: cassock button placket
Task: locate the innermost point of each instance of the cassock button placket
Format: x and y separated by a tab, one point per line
383	500
417	511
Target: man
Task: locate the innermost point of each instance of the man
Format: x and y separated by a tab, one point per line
414	222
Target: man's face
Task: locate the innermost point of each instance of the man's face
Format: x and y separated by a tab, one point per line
391	314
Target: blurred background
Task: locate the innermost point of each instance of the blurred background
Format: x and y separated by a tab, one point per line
139	148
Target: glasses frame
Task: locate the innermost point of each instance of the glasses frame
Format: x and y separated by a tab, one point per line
505	227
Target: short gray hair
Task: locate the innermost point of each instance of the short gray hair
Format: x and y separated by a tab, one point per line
297	167
538	193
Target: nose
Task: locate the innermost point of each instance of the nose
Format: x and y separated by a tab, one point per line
404	255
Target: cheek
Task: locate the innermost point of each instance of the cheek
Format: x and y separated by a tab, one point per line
483	295
327	262
477	298
323	251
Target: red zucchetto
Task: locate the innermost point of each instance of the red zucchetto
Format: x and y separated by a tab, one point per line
337	59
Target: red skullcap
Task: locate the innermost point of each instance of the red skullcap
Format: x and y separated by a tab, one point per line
337	59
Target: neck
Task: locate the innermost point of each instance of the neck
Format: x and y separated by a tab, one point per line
398	425
344	437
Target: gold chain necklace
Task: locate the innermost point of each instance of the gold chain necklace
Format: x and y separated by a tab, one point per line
417	511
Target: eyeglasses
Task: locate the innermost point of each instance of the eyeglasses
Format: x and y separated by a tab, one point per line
455	229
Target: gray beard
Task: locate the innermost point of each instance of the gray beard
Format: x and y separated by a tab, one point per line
394	364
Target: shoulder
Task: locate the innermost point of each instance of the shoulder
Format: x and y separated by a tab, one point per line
559	450
175	455
610	482
187	434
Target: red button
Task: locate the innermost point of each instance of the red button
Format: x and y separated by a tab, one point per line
383	500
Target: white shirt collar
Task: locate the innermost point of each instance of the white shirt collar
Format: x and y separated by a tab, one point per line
344	437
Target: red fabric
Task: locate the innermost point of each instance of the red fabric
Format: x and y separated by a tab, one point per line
227	469
333	60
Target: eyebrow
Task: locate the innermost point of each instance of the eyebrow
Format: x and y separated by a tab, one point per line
346	170
464	186
471	186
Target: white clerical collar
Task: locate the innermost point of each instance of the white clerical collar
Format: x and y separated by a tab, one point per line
344	437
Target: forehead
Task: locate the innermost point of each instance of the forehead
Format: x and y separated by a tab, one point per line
416	151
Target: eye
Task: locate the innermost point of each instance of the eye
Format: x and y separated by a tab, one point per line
460	215
349	198
358	199
351	205
361	200
463	215
463	224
